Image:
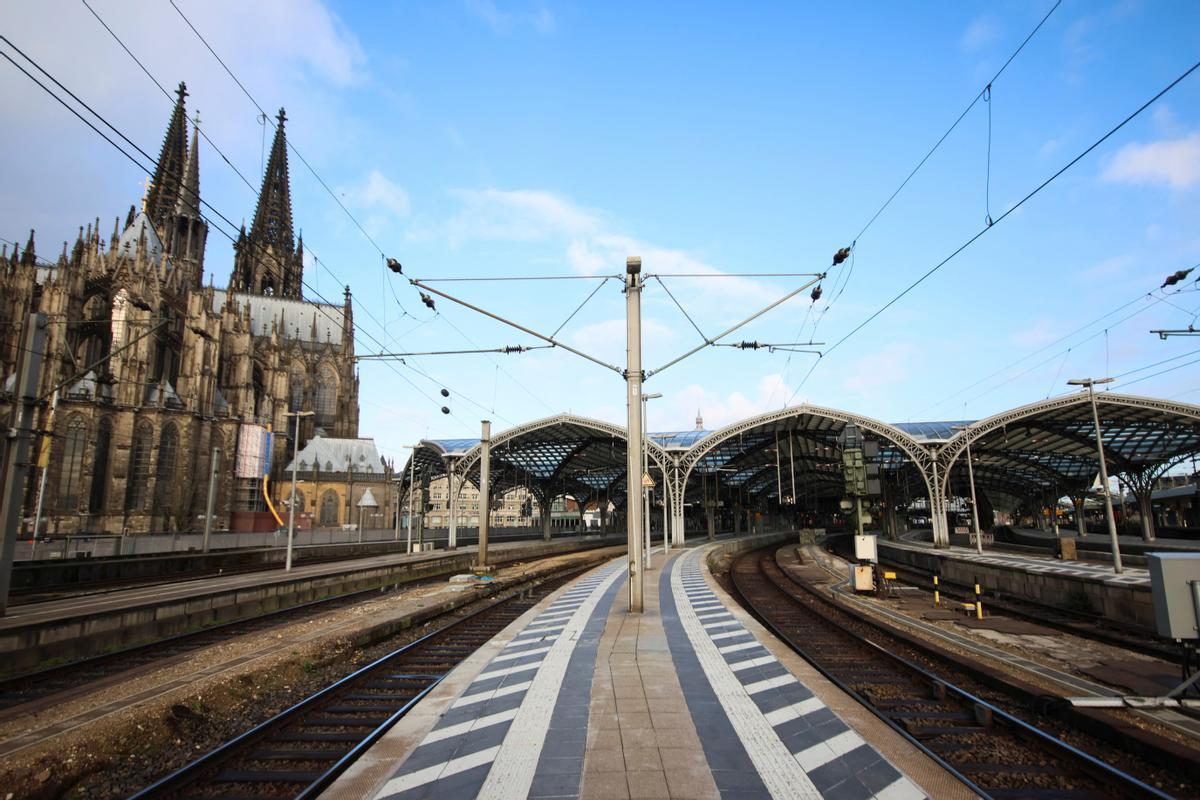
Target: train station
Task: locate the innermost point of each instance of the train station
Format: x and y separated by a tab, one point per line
599	401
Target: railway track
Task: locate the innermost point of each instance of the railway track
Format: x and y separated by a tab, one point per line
302	750
29	692
993	751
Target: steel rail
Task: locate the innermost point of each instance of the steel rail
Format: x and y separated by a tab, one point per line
1058	746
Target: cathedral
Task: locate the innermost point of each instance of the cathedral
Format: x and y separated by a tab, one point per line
162	373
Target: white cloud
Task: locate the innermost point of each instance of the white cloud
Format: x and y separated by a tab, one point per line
541	20
980	33
720	410
594	244
886	368
1168	162
520	215
384	202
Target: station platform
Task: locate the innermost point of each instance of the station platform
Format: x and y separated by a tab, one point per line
692	698
82	625
1124	597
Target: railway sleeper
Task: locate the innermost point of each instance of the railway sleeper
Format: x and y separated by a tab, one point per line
933	731
368	708
247	776
309	736
373	721
296	755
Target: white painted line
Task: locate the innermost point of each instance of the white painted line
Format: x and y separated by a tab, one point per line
533	651
527	635
525	642
751	662
781	775
513	770
403	783
821	754
489	694
714	615
733	648
499	673
450	731
727	634
769	683
789	713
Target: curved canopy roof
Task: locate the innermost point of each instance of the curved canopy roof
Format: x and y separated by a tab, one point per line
1050	446
1035	449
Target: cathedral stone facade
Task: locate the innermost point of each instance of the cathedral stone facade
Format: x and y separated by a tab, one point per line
162	370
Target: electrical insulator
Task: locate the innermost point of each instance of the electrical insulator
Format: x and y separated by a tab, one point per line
816	293
445	409
445	392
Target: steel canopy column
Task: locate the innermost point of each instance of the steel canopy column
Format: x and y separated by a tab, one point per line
546	503
1080	519
633	401
485	500
452	542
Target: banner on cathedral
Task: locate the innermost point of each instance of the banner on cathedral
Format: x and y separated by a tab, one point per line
254	451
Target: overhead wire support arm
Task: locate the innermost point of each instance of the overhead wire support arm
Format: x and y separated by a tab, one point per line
785	347
549	339
507	350
817	279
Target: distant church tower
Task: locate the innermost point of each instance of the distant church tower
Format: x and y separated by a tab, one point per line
268	261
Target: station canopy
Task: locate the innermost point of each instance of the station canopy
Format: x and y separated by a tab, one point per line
794	454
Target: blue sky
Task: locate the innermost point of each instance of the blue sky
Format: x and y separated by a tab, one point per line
497	139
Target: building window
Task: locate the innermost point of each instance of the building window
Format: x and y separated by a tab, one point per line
326	395
100	465
164	476
296	388
329	508
70	479
139	467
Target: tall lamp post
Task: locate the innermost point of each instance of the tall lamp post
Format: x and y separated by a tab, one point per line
287	564
1091	383
971	480
646	470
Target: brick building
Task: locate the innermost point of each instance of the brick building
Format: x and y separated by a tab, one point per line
132	437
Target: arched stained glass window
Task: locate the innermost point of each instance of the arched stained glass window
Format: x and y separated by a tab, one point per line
296	388
100	465
326	395
164	474
70	477
136	494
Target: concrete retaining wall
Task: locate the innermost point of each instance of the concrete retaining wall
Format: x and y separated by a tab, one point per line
1126	603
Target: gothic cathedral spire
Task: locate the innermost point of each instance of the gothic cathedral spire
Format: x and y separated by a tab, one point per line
268	262
168	175
273	218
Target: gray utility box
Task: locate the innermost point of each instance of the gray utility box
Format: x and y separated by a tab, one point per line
1171	579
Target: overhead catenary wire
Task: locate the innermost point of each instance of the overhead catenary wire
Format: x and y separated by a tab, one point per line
854	243
150	171
166	94
365	308
1136	113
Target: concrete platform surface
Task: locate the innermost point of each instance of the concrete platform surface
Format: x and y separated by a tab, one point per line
691	699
